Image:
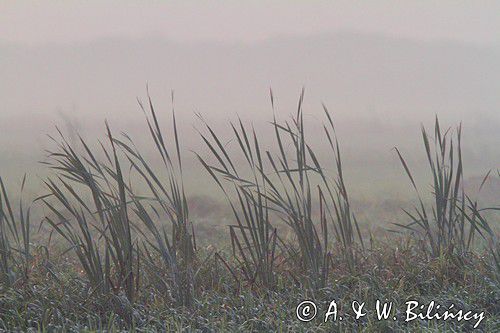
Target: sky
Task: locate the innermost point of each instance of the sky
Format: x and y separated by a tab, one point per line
382	67
69	21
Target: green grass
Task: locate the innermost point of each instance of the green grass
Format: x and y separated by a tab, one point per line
386	273
115	258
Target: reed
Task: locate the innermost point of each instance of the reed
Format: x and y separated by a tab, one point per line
14	238
254	239
283	184
98	230
166	202
452	222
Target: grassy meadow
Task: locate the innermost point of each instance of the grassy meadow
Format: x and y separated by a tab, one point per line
116	241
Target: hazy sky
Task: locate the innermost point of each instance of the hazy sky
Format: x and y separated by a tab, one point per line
381	66
67	21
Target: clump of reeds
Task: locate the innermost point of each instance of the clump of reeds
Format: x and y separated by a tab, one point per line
102	232
493	242
285	183
453	220
253	238
167	203
98	230
14	238
495	245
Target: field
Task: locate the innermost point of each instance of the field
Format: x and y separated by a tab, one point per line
112	245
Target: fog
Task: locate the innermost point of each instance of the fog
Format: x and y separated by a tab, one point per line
382	69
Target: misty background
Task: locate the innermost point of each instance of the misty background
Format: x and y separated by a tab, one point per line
382	68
